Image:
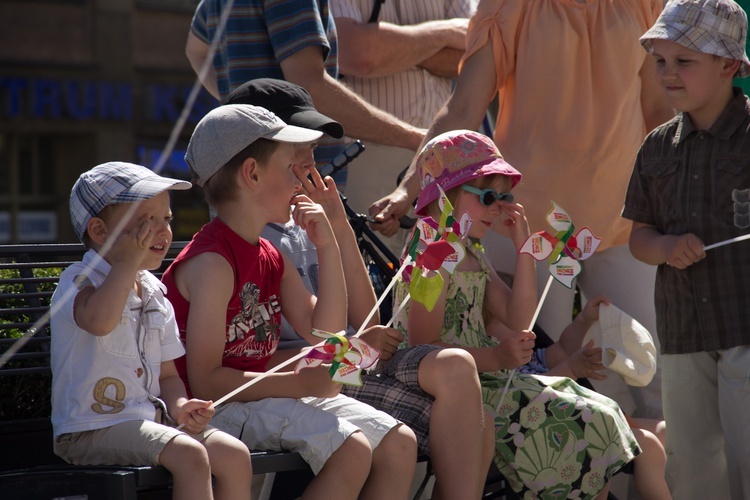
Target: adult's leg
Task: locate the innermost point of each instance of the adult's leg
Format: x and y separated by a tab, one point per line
734	406
629	283
462	437
696	461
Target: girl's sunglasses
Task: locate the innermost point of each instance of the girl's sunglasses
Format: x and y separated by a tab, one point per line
488	196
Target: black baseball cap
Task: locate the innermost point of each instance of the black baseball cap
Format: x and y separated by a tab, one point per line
288	101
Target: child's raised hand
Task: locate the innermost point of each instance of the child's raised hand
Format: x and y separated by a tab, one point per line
684	251
194	414
321	191
515	224
515	349
312	218
132	245
587	362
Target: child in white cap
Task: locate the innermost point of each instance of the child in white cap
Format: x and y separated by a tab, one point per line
230	287
689	188
116	394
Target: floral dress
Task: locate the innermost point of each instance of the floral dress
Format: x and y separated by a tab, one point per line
553	438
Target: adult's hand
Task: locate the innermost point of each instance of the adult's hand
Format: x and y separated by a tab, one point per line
388	210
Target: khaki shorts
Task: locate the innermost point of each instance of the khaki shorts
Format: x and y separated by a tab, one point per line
136	442
314	427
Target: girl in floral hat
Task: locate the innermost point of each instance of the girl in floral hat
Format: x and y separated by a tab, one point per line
553	438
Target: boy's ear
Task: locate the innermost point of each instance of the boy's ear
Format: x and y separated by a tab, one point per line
249	172
730	68
96	228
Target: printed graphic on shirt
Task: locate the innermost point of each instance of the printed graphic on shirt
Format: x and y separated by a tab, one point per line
255	330
106	405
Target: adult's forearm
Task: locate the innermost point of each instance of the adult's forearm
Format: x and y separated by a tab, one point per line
196	51
360	119
444	63
379	49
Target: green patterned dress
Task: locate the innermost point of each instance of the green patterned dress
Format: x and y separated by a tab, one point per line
553	438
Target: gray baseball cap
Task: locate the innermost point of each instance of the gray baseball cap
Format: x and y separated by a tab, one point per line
228	129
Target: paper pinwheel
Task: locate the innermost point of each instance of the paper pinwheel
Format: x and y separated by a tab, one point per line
347	357
434	245
563	249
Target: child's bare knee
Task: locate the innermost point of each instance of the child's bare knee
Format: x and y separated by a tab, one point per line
450	370
184	454
399	444
228	454
355	449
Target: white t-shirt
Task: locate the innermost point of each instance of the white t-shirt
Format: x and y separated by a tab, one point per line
98	382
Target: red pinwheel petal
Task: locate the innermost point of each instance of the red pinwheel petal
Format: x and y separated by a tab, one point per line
434	255
572	243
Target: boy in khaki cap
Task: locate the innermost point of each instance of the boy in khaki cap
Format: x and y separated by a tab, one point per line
690	188
229	287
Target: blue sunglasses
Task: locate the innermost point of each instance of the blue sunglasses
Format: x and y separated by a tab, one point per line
488	196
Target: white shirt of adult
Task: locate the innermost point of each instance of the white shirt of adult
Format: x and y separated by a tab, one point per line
414	95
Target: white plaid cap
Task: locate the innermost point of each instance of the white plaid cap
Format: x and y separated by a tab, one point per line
717	27
113	183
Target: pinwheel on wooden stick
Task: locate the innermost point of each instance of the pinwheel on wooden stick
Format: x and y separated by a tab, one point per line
563	250
433	245
347	357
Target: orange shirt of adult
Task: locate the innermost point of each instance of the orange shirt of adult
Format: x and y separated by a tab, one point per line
570	116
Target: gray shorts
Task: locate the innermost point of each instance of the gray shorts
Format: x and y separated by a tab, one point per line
394	388
313	427
136	442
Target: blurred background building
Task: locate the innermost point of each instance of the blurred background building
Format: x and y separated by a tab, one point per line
83	82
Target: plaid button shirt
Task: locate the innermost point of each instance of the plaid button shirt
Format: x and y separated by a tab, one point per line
691	181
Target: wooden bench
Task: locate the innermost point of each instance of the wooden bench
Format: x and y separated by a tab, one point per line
28	467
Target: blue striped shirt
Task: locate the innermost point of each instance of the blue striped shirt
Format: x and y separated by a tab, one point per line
259	35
